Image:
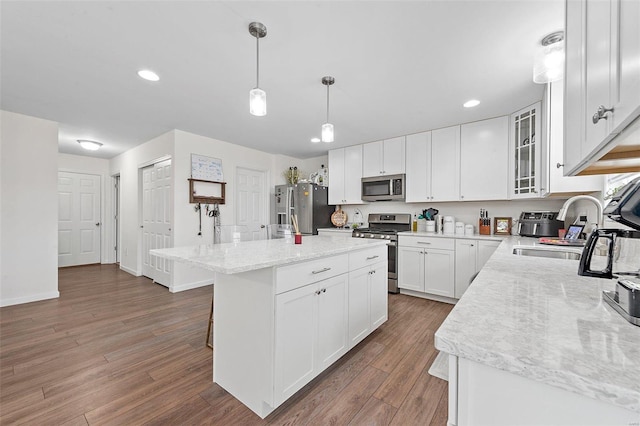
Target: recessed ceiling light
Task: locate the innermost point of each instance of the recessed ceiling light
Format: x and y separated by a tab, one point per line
148	75
315	140
471	103
90	145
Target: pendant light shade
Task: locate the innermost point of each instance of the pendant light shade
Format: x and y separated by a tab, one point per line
548	65
257	96
327	128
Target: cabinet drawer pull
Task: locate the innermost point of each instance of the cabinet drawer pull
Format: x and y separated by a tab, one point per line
423	242
319	271
372	257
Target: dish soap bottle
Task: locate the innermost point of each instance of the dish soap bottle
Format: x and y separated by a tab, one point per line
414	225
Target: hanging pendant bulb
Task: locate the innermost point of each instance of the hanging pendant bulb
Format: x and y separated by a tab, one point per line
548	65
327	128
257	96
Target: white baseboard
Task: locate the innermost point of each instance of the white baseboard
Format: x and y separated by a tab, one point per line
429	296
130	271
29	299
189	286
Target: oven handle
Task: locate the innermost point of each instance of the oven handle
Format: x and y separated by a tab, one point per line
392	244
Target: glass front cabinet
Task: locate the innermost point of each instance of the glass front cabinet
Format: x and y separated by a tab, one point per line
525	153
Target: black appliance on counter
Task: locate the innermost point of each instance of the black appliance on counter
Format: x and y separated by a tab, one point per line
386	226
620	247
539	224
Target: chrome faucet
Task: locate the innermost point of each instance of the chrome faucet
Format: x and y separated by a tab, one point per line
563	211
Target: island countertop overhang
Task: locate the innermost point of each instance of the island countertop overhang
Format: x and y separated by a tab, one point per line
233	258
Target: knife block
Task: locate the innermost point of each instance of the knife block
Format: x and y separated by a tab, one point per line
483	229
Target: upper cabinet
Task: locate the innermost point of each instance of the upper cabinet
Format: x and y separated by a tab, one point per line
484	160
384	157
525	152
433	160
602	90
345	168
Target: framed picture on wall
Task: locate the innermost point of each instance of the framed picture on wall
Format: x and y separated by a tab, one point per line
502	226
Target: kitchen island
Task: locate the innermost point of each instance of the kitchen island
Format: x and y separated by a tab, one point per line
283	312
531	342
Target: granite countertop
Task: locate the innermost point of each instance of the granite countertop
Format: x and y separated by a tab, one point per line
537	318
232	258
458	236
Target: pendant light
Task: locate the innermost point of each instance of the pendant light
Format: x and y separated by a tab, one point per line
257	96
548	65
327	128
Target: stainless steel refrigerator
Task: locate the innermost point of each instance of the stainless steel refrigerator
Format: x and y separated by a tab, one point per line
308	201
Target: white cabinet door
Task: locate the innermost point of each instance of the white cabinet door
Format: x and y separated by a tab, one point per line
466	268
336	176
445	164
485	250
484	159
411	268
379	295
296	340
525	146
359	306
353	175
418	167
332	320
372	154
627	49
345	169
393	156
439	272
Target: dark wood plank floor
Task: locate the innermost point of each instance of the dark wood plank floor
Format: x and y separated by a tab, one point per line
117	349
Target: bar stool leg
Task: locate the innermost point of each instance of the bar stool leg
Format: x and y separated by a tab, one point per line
209	342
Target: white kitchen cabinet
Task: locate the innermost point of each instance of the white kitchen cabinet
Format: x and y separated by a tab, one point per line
525	165
345	168
367	301
385	157
433	165
471	256
484	160
602	91
553	162
426	265
311	333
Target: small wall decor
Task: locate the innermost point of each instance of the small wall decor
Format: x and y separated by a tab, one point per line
206	168
502	226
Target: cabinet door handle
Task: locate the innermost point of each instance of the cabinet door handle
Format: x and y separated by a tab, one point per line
319	271
372	257
558	165
324	290
318	292
601	113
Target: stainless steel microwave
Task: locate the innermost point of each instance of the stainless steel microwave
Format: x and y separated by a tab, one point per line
383	188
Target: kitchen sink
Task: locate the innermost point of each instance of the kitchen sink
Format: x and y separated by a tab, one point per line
548	252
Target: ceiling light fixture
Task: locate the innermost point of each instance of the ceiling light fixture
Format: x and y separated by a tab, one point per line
548	65
471	103
315	140
90	145
257	96
327	128
148	75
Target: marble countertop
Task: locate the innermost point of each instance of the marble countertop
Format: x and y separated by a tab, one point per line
537	318
232	258
458	236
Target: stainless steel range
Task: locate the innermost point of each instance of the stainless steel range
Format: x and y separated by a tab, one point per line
386	226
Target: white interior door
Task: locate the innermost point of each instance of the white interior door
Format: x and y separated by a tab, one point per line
251	202
157	220
78	219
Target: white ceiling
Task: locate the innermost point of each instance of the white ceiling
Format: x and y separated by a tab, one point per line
400	67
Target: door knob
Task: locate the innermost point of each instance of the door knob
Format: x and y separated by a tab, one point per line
97	223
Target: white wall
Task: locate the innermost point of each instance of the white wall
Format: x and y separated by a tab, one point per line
128	165
29	213
100	167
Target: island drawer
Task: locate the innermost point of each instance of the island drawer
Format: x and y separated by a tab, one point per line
427	242
300	274
361	258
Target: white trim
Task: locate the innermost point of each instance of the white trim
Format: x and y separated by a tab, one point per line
130	271
29	299
154	161
189	286
429	296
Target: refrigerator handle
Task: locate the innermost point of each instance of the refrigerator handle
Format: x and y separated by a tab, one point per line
290	206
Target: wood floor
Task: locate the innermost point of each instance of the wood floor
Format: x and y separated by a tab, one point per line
118	349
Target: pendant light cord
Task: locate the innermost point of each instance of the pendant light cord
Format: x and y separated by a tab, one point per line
257	61
327	103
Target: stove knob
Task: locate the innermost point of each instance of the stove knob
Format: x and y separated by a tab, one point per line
372	236
382	237
388	237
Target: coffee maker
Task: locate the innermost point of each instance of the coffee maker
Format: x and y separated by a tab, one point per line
621	248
